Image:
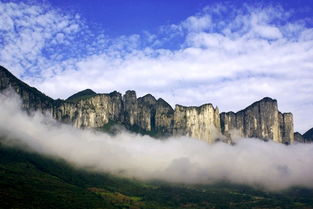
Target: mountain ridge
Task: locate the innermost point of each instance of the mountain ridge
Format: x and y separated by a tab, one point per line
261	119
81	95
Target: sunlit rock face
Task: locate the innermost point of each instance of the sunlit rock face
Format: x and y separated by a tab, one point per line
286	128
92	112
261	120
197	122
148	115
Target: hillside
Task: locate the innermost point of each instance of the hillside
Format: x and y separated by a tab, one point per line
28	180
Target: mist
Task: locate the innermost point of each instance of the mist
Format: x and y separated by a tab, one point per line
267	165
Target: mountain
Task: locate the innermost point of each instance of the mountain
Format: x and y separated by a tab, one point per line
261	120
31	97
85	94
309	135
156	117
299	138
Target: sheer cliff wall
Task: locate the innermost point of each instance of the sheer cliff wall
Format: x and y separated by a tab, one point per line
149	115
260	120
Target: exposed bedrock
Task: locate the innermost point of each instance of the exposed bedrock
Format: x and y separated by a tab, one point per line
156	117
198	122
260	120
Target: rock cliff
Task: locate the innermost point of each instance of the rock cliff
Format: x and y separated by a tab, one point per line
299	138
155	116
31	97
197	122
308	135
260	120
94	112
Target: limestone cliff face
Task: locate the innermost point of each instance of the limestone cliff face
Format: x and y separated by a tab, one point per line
146	112
299	138
164	118
198	122
261	120
130	108
156	117
92	112
286	128
139	114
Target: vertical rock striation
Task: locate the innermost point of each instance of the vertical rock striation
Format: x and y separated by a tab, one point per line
93	112
198	122
164	118
260	120
156	117
130	108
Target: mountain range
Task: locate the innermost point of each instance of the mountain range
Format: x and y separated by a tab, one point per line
155	117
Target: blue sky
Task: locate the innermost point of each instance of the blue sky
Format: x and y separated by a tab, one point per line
118	17
229	53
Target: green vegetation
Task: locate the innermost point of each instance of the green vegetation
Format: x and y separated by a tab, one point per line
29	180
85	94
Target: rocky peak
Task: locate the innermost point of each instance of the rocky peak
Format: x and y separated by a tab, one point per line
130	108
148	115
164	117
146	112
32	99
162	102
299	138
308	135
147	99
130	95
261	120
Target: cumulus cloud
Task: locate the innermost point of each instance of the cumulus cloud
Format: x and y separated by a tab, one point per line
252	162
228	56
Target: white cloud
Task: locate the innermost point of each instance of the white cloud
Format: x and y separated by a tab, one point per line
196	23
227	56
252	162
268	32
29	30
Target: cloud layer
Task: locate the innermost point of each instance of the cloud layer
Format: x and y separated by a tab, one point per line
225	55
253	162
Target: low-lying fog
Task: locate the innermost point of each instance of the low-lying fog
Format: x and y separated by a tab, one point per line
252	162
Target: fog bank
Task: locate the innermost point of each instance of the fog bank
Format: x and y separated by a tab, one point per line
252	162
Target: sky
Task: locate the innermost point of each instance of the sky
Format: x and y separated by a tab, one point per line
189	52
